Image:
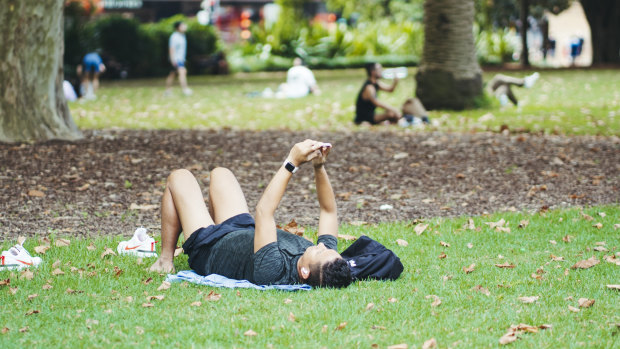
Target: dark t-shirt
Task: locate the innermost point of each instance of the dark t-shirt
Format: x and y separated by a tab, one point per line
274	264
365	109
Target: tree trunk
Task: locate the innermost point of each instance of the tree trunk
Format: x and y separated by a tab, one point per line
525	51
32	102
449	75
604	19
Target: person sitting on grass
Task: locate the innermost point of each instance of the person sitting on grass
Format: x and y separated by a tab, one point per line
224	238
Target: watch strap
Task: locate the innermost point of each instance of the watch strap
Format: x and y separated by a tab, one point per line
290	167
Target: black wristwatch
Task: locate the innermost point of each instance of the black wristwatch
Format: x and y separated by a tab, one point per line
290	167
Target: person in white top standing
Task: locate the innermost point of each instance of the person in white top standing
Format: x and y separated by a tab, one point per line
300	82
177	51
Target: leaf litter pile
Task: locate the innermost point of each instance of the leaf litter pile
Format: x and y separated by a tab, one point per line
112	181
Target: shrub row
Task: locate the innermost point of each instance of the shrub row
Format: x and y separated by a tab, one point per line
132	49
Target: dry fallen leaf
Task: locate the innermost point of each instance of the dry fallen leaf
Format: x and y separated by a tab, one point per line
36	193
369	306
135	206
419	229
26	274
213	297
600	249
148	281
20	240
164	286
41	249
402	242
158	297
13	290
288	301
378	327
556	258
567	238
614	287
587	263
612	259
32	296
585	303
90	247
392	300
47	287
56	264
341	326
178	251
469	269
291	317
469	225
62	242
398	346
196	304
552	242
444	244
528	300
484	291
442	255
5	282
436	300
24	329
430	344
347	237
147	305
598	225
249	333
573	309
57	271
5	330
293	228
128	299
505	265
524	223
470	245
70	291
107	252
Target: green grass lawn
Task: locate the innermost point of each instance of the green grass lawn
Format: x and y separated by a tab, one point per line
569	102
98	302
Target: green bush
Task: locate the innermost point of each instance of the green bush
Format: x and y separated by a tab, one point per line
139	49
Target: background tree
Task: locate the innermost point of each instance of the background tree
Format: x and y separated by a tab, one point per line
32	103
449	75
374	10
604	19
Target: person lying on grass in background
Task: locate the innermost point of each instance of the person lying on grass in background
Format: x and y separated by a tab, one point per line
224	238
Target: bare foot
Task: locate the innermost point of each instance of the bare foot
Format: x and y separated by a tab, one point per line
162	266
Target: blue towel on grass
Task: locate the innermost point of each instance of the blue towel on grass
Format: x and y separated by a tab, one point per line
216	280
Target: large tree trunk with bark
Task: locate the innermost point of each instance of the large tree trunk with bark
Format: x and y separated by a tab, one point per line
524	14
32	102
449	76
604	19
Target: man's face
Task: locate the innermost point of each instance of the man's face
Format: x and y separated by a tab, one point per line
182	27
320	254
378	71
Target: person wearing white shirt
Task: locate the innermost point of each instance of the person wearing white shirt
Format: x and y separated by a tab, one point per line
177	51
300	82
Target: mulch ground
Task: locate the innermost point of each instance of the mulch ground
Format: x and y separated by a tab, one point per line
112	181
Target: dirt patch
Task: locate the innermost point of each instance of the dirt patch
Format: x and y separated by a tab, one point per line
112	181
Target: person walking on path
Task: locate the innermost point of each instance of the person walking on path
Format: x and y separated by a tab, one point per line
177	49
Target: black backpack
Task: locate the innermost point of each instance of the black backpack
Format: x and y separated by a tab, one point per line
368	259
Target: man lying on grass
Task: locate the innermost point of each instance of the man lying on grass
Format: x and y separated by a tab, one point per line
224	239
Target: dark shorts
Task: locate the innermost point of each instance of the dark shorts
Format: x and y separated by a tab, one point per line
211	234
368	117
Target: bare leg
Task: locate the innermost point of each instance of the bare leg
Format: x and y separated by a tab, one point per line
511	96
170	80
95	82
501	79
226	198
182	208
183	77
414	107
387	115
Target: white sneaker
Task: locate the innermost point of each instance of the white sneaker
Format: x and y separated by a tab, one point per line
140	245
530	80
503	99
188	91
18	258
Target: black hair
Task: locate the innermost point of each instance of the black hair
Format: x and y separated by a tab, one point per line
177	24
370	67
336	274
